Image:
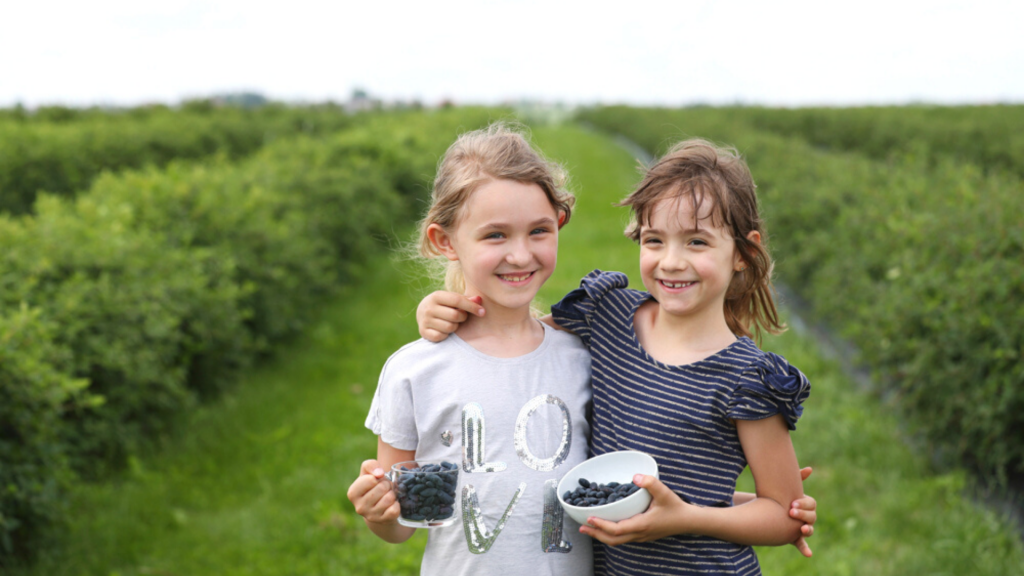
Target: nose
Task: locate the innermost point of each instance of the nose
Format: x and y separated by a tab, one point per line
674	259
518	253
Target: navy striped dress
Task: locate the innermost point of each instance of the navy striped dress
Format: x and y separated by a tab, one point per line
680	415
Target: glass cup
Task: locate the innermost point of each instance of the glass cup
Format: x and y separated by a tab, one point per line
426	491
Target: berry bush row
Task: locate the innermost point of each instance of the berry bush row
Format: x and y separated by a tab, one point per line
129	303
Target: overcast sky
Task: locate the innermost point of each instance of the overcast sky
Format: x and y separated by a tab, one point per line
127	52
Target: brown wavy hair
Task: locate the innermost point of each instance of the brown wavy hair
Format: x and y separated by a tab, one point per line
698	171
501	151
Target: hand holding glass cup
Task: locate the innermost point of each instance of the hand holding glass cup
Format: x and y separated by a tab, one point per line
426	492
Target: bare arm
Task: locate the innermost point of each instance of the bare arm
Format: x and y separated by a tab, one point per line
440	313
804	509
763	521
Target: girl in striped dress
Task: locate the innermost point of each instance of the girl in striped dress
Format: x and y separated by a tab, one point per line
676	374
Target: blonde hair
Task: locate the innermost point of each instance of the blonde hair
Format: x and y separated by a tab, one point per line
698	171
499	152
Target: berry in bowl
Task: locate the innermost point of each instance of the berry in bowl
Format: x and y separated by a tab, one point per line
603	487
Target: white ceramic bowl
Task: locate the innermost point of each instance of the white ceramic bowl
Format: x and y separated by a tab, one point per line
611	467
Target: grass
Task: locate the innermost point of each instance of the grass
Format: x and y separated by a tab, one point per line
255	483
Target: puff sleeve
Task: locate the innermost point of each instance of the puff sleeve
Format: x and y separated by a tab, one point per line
770	386
575	312
391	414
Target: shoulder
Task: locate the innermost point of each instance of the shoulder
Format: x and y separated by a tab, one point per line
768	378
562	341
760	364
566	345
419	356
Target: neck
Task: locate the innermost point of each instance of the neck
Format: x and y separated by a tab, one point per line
502	332
703	332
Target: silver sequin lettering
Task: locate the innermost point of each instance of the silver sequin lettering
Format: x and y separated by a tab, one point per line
473	441
553	523
478	537
519	438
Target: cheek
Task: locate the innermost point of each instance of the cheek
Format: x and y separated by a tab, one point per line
647	262
547	251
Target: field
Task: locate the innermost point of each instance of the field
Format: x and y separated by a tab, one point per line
247	474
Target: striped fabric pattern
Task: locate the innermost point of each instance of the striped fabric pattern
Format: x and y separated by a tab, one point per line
680	415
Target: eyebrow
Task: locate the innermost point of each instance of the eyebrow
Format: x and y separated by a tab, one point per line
688	231
500	225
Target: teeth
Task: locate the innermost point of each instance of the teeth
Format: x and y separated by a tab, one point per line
509	278
675	284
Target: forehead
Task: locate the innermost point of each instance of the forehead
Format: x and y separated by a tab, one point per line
507	200
683	212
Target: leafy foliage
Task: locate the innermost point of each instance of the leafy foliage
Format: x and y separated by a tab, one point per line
61	150
147	292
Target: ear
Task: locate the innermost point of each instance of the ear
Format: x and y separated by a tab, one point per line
561	219
442	241
738	264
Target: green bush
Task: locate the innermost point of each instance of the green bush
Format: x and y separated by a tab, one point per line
155	285
915	259
62	153
988	136
35	392
133	309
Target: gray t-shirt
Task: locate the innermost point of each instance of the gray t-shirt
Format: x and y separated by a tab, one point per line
515	426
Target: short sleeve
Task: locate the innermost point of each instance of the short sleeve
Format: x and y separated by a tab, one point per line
576	310
392	415
767	387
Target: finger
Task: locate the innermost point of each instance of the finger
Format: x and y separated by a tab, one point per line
805	502
381	507
806	516
365	492
368	466
370	502
442	326
459	301
392	513
601	536
438	313
802	546
659	491
433	335
609	528
807	530
382	489
805	473
478	300
359	488
451	315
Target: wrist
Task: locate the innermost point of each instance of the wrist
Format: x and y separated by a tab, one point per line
690	519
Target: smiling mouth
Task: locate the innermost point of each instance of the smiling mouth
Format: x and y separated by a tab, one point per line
668	284
515	277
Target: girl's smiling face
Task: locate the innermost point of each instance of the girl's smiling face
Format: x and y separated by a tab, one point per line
686	262
506	242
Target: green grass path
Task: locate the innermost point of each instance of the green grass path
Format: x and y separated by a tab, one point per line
255	483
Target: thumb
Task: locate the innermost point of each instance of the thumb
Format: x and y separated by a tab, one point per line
371	467
651	484
805	473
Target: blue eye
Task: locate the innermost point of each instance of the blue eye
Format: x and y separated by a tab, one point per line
494	236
